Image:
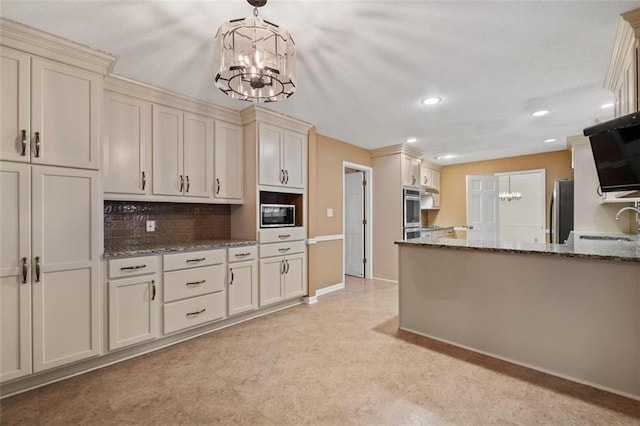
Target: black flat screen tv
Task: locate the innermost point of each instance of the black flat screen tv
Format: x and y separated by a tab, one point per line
615	145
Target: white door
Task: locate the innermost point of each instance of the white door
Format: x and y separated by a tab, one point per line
168	178
482	208
15	99
228	162
15	276
66	211
198	156
243	287
132	311
354	227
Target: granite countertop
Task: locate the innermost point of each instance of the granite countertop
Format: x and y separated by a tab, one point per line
434	228
626	251
169	248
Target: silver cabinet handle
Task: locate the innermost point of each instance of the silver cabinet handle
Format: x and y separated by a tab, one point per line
217	186
231	270
281	176
132	268
281	267
25	271
153	294
181	183
188	184
190	314
196	282
37	261
37	144
200	259
284	250
286	176
242	254
144	180
283	236
287	262
24	143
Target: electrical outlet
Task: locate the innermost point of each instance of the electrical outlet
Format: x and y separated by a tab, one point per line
151	226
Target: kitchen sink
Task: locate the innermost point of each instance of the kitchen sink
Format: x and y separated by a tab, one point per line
605	237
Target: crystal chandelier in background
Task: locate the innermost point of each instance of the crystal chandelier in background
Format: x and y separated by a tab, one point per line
254	60
510	195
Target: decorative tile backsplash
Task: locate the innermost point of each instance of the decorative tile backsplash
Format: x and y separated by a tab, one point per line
125	224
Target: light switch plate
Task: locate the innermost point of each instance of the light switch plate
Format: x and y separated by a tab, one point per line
329	212
151	226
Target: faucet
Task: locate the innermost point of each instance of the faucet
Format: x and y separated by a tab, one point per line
635	209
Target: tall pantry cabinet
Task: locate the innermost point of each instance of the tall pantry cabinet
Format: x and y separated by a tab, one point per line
50	215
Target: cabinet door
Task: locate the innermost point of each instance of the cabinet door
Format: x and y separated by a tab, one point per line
294	158
271	271
15	101
410	175
125	141
167	151
198	156
65	114
243	287
426	177
269	144
132	311
15	283
294	283
436	184
228	161
66	228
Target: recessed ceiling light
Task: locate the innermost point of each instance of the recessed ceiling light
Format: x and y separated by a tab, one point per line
431	100
607	105
549	140
411	140
445	157
540	113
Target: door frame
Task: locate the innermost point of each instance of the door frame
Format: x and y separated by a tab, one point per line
368	215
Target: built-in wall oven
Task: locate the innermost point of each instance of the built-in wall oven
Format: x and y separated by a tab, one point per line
411	213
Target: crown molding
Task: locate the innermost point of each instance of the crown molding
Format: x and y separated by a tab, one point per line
622	52
576	140
633	18
397	149
147	92
256	113
40	43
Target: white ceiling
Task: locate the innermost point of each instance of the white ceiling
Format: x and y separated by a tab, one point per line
364	66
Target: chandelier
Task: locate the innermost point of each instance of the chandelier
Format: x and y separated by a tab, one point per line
254	59
511	195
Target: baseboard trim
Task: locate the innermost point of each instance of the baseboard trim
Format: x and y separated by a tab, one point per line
310	300
330	289
384	279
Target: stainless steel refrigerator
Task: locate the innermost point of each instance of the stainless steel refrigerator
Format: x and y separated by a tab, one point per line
561	211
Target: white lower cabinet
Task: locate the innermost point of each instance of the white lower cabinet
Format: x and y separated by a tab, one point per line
281	278
242	280
194	289
133	300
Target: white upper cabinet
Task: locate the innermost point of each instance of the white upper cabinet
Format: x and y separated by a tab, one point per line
168	178
50	112
228	160
125	144
410	171
198	155
282	157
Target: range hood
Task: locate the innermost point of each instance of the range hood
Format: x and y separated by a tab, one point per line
430	190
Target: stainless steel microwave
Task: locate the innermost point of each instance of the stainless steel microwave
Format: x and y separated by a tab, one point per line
277	215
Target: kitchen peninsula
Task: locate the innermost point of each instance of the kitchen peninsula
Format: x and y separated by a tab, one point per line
572	310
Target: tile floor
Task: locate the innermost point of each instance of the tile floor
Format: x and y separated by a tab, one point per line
339	362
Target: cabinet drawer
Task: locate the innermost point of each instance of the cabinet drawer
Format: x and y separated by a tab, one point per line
197	310
281	249
237	254
277	235
132	266
193	259
448	233
193	282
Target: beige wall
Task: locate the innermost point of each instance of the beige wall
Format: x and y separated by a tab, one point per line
453	208
325	191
